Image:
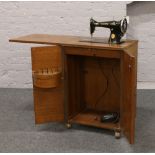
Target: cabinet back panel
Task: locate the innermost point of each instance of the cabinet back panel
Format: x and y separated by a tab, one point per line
102	84
94	83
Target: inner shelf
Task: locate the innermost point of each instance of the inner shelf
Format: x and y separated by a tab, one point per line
92	118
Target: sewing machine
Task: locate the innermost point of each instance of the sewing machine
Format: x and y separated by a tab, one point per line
117	28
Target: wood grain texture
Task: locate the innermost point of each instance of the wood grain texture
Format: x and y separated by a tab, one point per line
45	57
75	85
92	118
102	84
48	105
128	92
47	78
92	52
87	78
71	41
109	79
98	78
48	102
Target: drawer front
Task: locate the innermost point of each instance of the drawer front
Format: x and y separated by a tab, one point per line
106	53
92	52
78	51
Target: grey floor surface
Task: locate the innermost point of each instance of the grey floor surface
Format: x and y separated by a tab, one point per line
18	133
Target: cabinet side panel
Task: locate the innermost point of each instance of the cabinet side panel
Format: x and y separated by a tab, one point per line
128	94
75	85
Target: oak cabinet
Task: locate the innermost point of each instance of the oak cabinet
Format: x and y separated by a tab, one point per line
90	79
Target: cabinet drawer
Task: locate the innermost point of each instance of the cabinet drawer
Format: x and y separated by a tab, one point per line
106	53
78	51
92	52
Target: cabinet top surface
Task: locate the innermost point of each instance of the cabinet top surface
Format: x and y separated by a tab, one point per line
74	41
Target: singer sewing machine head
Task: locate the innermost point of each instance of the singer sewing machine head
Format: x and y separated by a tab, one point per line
117	28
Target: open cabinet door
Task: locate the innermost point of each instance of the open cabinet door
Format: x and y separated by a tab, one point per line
48	96
128	95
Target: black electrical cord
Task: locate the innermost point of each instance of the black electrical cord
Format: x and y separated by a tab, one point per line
117	83
107	83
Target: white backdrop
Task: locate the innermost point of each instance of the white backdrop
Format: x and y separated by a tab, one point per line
142	27
22	18
71	18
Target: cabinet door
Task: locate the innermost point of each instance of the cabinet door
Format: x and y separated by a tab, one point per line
128	95
48	101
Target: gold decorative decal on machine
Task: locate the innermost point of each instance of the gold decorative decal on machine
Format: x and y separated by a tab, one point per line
113	36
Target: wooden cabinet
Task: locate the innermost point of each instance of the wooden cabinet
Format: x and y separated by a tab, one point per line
91	79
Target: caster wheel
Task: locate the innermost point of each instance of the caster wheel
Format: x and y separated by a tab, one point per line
68	125
117	134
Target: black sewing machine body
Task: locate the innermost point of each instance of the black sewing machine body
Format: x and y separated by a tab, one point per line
117	28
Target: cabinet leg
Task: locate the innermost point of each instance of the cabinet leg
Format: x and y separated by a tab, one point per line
68	125
117	134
